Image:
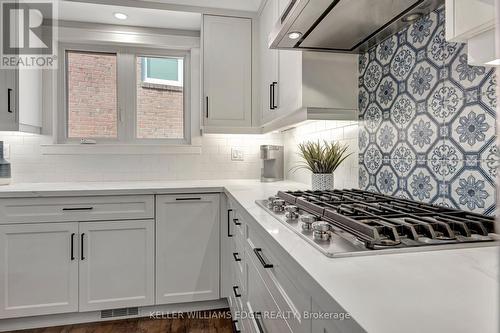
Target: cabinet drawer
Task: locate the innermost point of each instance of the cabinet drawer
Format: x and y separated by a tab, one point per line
260	301
65	209
289	297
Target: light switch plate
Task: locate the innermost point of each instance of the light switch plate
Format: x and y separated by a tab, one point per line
6	150
236	154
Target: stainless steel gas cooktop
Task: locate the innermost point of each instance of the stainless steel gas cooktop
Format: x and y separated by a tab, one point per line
343	223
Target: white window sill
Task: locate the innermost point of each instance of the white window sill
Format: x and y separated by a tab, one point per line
118	149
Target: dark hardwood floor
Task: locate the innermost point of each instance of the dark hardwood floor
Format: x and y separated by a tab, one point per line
207	322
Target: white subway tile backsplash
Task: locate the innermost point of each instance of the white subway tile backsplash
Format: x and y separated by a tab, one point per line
29	165
346	132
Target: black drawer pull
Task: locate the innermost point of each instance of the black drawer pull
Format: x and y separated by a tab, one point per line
258	321
270	97
9	102
236	256
187	199
236	222
274	95
235	291
77	208
236	329
207	105
258	253
72	246
228	223
81	247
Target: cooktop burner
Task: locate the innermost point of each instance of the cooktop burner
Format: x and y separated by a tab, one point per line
355	222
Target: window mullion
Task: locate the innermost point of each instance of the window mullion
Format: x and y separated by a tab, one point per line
126	107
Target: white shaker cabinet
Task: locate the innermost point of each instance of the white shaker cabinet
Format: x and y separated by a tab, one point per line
281	70
300	86
8	100
466	18
116	264
227	71
187	248
269	65
21	100
39	269
473	22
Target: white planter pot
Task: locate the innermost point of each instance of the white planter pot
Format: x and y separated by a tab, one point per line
322	181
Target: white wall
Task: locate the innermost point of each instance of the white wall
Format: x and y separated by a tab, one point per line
29	165
346	176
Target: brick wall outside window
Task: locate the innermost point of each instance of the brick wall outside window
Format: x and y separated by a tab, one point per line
160	110
92	99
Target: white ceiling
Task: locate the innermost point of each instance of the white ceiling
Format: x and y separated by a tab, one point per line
245	5
142	17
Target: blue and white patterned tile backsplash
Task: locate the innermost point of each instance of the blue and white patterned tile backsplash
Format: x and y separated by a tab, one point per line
427	120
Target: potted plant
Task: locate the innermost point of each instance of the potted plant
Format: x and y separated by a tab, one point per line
322	160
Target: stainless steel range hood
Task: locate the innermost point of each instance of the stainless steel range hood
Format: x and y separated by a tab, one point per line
351	26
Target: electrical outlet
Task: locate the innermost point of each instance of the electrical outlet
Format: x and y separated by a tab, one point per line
6	150
236	154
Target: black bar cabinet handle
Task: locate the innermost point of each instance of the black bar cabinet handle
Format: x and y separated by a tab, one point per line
187	199
260	325
236	222
274	95
78	208
271	97
81	246
73	246
206	98
258	253
9	91
235	328
236	256
228	223
235	291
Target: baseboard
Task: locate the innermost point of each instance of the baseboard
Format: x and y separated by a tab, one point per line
13	324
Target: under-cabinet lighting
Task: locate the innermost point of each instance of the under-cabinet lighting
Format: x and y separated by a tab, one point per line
120	16
412	17
294	35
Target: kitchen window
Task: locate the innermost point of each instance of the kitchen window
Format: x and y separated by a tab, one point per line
123	95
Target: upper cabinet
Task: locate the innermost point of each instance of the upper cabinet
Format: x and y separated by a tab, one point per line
8	99
269	64
227	72
21	100
466	18
473	22
297	86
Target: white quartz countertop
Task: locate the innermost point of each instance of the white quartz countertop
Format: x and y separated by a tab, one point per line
437	291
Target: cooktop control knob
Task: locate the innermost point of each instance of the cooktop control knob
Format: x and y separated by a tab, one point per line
270	201
321	230
307	221
278	205
292	212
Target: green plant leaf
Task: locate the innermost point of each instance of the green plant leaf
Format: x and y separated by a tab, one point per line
321	158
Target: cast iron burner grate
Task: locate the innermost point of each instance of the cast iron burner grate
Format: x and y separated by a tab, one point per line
382	221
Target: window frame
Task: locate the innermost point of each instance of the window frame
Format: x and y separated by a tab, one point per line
126	75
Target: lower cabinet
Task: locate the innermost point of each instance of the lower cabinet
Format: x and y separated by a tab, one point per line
38	269
265	291
49	268
116	264
187	248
